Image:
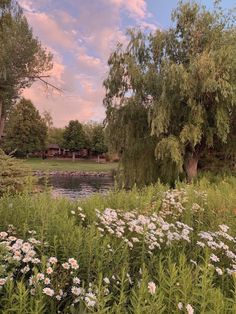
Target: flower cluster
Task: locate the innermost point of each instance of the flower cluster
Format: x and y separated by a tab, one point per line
222	247
134	228
59	280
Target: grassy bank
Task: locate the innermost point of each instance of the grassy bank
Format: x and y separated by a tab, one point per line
149	251
68	165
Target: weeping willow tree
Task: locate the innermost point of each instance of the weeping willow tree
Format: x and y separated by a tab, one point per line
170	95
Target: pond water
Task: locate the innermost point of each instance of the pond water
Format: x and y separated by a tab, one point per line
77	186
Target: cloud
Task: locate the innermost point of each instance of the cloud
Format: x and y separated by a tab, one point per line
81	35
49	30
136	8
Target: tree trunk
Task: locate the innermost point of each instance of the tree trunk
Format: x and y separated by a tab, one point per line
191	165
73	156
2	121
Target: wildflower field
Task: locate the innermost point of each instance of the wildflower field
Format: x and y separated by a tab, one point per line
153	250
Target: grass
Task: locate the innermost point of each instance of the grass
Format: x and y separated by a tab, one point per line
68	165
120	278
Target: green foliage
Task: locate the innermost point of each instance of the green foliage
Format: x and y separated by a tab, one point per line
182	81
55	136
95	137
13	174
74	136
26	131
98	140
22	57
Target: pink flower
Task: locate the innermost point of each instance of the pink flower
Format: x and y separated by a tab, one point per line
73	263
66	265
49	270
48	291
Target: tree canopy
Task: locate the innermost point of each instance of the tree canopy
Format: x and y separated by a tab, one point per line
26	132
22	57
74	136
170	95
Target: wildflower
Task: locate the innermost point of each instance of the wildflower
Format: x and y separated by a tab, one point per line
106	280
224	228
76	281
2	281
189	309
40	276
73	263
36	261
58	297
3	235
12	239
214	258
48	291
72	212
52	260
49	270
66	265
25	270
47	281
26	247
180	305
90	299
76	291
219	271
152	287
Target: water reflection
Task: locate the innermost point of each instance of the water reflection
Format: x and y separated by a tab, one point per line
76	186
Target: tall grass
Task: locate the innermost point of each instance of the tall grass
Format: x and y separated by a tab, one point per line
117	274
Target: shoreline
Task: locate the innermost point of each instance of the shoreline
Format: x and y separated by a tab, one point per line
41	173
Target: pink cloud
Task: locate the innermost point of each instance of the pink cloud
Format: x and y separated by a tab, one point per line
136	8
81	47
49	29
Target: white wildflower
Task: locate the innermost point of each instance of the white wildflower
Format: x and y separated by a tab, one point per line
189	309
76	291
90	299
219	271
152	287
180	305
106	280
76	281
48	291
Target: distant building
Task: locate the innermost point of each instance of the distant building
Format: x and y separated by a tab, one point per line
53	150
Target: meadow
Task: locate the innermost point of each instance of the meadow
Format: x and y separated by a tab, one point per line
153	250
37	164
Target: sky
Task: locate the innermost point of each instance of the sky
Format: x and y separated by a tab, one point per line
81	34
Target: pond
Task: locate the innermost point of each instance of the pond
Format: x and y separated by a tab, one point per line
75	187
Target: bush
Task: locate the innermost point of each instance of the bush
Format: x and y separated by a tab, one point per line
14	175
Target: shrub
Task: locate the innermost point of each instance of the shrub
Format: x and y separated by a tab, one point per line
14	175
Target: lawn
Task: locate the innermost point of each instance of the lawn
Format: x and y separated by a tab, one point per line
67	165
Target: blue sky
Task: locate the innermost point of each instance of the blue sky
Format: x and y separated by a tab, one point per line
81	34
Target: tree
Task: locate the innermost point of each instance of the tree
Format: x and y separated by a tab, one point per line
47	117
26	132
56	136
74	136
98	140
183	80
22	57
95	137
